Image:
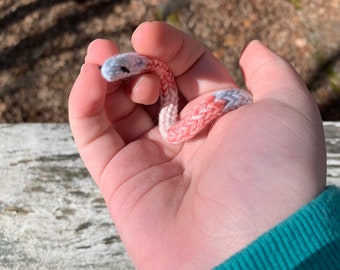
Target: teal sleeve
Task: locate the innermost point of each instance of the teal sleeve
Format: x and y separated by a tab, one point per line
309	239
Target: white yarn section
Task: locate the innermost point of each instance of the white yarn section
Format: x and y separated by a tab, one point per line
168	112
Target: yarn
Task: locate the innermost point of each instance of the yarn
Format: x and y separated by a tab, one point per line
127	65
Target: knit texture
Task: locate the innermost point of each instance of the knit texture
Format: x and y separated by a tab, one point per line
200	116
309	239
172	129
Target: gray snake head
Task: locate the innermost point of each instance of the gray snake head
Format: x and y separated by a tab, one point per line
123	66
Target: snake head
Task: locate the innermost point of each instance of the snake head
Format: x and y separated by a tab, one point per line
123	66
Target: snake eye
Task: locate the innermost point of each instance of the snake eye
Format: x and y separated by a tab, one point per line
125	69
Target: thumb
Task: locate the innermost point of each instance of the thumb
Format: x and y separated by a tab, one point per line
269	76
278	88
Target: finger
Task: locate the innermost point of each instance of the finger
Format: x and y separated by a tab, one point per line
269	76
144	89
129	120
197	71
90	126
99	50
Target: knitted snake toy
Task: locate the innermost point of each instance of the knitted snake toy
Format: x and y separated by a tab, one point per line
126	65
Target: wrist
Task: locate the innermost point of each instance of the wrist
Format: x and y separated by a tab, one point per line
306	238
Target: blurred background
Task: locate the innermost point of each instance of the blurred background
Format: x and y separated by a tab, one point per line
43	43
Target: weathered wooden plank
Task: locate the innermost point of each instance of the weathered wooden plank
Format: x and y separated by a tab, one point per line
332	134
52	215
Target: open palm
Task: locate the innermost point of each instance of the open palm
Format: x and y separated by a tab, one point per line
193	205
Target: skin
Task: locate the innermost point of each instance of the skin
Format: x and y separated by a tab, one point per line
193	205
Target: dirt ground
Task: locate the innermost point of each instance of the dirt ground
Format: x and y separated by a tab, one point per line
43	43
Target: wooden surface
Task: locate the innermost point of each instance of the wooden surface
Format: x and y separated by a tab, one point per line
52	215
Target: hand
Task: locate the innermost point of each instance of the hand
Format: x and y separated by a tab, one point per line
191	206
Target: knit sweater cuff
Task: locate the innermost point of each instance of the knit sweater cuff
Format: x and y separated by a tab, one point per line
309	239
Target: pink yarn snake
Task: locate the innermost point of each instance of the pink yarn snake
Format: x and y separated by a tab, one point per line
126	65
